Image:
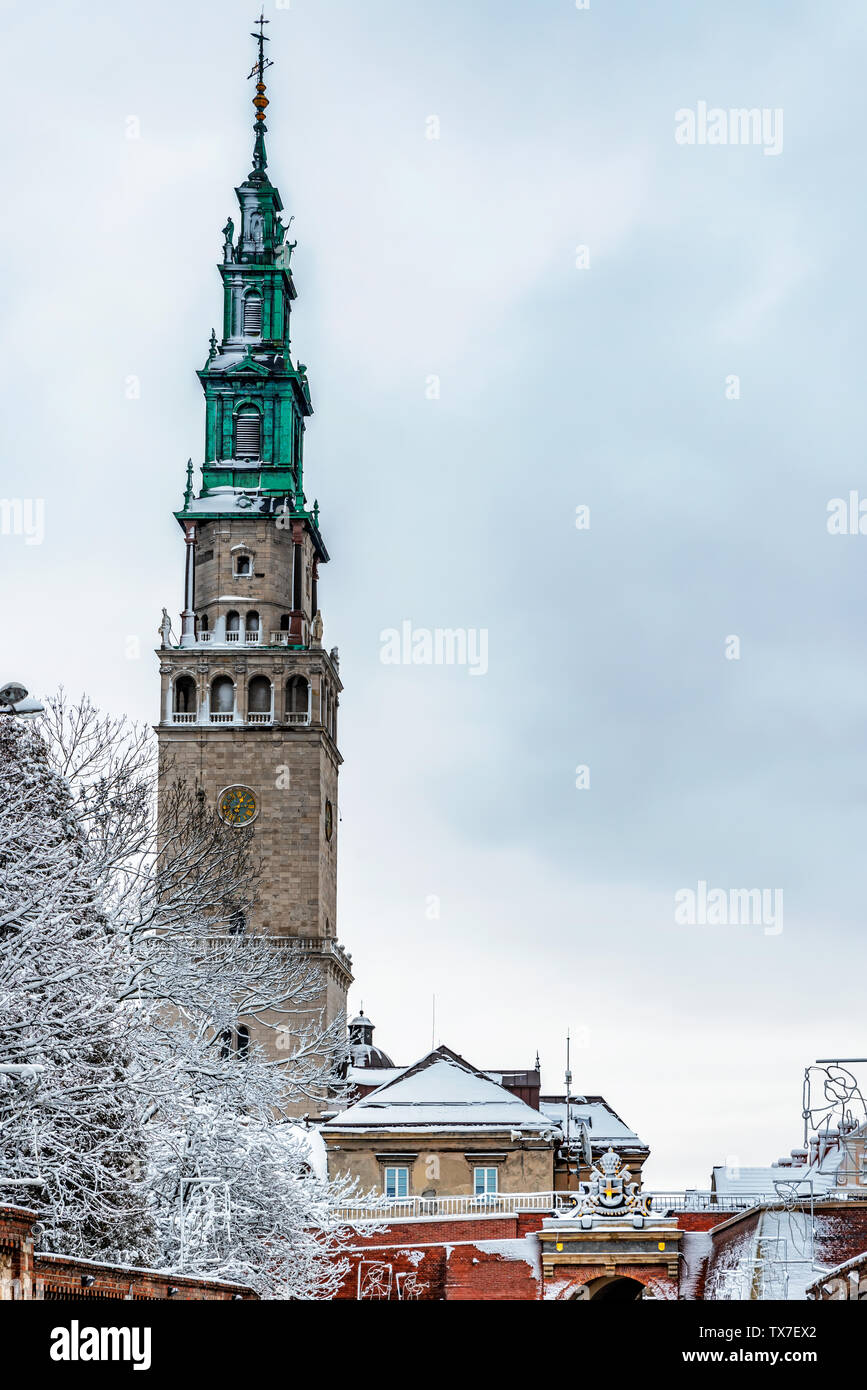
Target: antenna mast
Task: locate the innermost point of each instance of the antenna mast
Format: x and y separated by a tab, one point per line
568	1091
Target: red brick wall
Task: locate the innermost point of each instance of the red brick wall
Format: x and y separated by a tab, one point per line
26	1275
61	1278
840	1232
701	1220
487	1276
444	1230
445	1256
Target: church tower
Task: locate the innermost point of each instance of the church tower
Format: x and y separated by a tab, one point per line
249	694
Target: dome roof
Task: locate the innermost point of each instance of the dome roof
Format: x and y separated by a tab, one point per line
361	1046
367	1056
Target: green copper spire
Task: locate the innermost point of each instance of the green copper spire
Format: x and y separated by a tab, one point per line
257	400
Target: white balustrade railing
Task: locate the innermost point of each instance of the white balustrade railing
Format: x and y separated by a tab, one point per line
553	1203
415	1208
253	717
252	637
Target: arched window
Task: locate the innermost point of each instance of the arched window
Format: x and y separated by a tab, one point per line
242	1040
285	619
203	623
297	700
237	923
184	695
233	627
259	695
253	315
251	622
248	433
222	696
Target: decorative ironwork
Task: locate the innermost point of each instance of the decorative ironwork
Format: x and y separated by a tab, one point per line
830	1092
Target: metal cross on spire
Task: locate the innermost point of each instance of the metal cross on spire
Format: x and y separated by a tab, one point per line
258	69
260	101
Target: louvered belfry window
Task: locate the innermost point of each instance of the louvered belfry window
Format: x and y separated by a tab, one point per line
248	433
253	316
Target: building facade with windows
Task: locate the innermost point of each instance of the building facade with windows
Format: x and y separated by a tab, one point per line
442	1127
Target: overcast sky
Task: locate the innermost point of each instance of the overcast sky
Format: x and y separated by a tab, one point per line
561	384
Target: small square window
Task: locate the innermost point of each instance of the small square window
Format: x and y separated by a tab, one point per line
397	1182
484	1181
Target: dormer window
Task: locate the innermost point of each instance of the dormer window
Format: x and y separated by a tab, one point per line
253	315
248	433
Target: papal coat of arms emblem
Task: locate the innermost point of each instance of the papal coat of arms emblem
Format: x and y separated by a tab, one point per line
611	1191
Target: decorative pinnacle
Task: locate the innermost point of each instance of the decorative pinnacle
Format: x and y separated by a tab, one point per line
188	494
260	101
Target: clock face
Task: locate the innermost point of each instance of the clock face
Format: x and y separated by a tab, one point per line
329	820
238	806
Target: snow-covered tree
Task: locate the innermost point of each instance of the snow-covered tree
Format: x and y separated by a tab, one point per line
70	1138
230	1188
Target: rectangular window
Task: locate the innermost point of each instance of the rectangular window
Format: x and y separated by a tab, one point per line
485	1181
397	1182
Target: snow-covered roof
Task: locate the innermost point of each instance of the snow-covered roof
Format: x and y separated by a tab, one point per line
602	1122
442	1091
373	1076
764	1181
224	500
